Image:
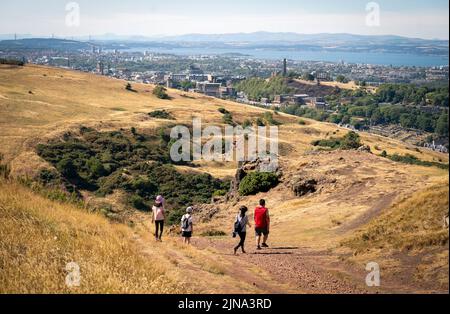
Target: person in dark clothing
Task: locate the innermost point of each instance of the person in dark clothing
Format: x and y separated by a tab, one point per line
240	228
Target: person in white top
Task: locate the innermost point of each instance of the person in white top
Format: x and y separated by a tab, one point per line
158	217
240	228
187	225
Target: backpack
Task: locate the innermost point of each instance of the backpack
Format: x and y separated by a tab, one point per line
238	225
185	223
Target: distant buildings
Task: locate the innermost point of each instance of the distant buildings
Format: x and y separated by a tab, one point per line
209	89
318	103
436	147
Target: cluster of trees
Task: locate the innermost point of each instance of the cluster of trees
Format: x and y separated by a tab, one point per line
105	161
257	88
342	79
412	94
12	62
392	104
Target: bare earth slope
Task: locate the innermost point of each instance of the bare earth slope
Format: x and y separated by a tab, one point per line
309	251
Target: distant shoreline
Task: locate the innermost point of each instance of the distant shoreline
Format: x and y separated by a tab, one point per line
374	58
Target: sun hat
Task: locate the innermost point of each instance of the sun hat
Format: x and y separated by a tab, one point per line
189	210
160	199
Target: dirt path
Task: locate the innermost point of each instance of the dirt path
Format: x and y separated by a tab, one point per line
303	271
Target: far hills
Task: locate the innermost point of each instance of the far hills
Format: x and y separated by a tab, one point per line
257	40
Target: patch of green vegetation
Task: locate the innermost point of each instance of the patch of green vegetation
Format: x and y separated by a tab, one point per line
228	119
407	105
161	92
268	117
413	160
11	62
350	141
129	88
118	109
257	88
220	193
256	182
138	164
161	114
247	124
227	116
213	233
223	110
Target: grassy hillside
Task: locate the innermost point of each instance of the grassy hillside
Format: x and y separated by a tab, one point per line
40	237
44	107
415	224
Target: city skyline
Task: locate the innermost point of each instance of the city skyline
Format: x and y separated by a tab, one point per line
150	18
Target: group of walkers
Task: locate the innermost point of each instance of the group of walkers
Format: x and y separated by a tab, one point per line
159	217
261	219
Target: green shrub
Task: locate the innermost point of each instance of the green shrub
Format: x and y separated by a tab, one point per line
223	111
160	92
268	116
161	114
247	123
228	119
260	122
67	168
138	202
213	233
256	182
350	141
128	87
413	160
220	193
96	168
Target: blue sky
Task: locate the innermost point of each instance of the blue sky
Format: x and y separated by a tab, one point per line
413	18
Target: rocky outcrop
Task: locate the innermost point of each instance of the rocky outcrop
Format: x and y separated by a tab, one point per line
365	149
303	187
206	212
305	183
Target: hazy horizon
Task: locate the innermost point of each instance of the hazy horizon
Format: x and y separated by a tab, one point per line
156	36
413	19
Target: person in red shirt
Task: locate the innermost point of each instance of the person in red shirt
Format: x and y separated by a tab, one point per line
262	224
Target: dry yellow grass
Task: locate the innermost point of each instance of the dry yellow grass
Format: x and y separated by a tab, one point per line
409	238
414	223
63	100
39	238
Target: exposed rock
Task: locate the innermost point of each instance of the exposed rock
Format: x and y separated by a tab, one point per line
365	149
302	187
206	212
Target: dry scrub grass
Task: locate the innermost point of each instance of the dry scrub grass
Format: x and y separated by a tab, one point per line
413	223
39	237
